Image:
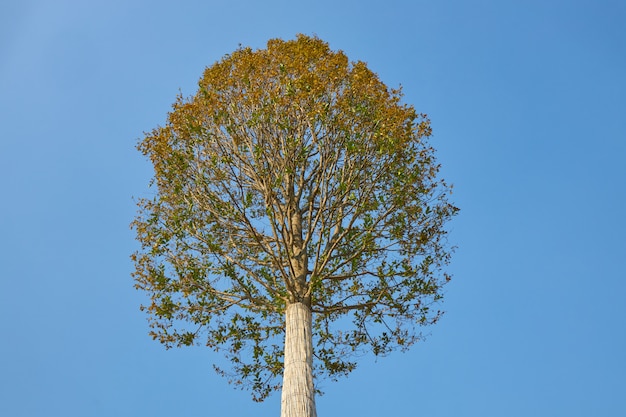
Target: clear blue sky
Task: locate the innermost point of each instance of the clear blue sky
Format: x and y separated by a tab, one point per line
528	105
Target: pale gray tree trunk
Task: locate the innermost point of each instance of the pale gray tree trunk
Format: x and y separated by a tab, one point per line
298	395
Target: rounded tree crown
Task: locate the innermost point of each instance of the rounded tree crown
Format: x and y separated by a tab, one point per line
292	175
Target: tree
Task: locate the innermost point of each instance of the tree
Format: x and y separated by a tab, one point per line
298	219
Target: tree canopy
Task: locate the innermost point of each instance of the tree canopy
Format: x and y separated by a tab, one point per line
292	176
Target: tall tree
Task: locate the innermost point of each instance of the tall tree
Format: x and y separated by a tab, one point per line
298	219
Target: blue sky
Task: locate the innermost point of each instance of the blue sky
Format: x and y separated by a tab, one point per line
527	102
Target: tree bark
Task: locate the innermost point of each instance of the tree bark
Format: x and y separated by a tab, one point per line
298	394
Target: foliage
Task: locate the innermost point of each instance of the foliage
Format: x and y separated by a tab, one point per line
292	175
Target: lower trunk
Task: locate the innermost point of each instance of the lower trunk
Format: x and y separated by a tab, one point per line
298	395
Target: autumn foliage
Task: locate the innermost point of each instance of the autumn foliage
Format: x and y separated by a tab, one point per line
292	176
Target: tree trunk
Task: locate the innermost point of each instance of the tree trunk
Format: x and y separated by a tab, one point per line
298	395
